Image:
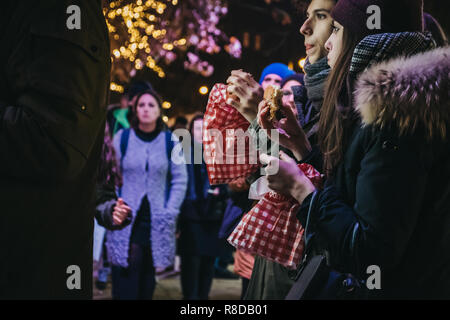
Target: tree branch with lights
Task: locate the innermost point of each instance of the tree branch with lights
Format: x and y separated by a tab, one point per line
153	34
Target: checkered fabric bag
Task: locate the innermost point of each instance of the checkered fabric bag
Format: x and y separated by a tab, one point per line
271	229
225	155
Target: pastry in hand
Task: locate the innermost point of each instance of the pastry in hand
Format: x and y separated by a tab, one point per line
273	96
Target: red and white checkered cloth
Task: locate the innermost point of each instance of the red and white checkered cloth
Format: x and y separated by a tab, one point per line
225	158
271	229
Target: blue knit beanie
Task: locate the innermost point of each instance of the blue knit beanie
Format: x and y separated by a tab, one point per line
276	68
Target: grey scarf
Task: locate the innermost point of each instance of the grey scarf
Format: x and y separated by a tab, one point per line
316	75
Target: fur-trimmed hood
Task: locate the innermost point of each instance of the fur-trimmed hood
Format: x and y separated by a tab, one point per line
408	92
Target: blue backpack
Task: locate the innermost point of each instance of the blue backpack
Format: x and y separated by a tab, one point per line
169	147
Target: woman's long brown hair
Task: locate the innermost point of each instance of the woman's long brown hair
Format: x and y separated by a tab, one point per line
331	124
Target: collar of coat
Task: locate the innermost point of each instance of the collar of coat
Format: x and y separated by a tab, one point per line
407	92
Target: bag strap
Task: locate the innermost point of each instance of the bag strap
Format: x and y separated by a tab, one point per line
309	228
124	142
169	148
123	150
308	234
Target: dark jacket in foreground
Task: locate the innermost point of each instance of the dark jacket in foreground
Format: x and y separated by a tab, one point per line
390	202
54	85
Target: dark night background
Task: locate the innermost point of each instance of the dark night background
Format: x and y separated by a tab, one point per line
277	43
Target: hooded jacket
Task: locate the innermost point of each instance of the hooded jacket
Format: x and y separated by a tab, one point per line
389	203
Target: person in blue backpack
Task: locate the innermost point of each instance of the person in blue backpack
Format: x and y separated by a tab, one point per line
154	186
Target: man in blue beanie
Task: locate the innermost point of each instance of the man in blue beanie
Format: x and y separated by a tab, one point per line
273	74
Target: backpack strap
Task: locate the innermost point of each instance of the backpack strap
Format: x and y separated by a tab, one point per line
123	150
169	148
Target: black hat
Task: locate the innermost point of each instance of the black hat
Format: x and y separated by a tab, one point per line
396	16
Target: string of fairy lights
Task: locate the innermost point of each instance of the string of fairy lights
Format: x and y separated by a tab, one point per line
143	21
151	33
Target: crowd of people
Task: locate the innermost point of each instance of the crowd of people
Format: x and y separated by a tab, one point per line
152	208
370	113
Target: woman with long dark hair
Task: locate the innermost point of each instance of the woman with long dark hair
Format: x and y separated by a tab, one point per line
154	186
384	131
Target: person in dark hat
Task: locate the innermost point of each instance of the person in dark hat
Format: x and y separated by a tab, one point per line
53	96
384	132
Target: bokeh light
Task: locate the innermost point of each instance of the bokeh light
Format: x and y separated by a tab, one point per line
203	90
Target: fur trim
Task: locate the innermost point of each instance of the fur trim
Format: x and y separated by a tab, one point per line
408	92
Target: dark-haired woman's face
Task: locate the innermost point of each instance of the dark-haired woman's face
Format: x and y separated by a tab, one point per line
147	109
334	43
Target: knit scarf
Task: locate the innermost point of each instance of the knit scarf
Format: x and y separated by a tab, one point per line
316	75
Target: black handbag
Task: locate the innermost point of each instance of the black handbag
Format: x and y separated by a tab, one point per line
315	280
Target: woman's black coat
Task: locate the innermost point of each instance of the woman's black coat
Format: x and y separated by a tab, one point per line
54	85
389	203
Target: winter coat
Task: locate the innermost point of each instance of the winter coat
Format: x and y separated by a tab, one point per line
145	167
54	85
105	202
389	203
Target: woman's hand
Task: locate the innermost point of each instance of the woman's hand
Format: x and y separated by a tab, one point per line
288	179
244	94
120	212
290	133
